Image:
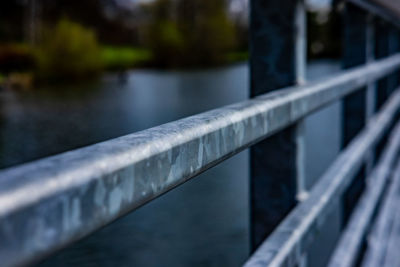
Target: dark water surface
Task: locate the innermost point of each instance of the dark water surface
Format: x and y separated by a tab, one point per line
202	223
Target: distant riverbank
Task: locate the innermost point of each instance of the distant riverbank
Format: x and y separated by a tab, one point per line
18	62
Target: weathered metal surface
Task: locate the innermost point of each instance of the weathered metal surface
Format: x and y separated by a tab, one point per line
277	40
49	203
351	241
273	62
290	240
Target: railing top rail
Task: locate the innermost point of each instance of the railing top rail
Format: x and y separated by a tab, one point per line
75	193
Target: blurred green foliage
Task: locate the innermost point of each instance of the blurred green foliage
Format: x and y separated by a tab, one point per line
121	58
190	33
166	42
237	56
167	34
164	33
68	52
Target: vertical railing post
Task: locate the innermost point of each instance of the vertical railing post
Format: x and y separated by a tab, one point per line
393	44
358	106
382	50
354	54
371	87
385	44
277	46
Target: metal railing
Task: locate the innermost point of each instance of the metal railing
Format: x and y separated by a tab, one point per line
288	243
47	204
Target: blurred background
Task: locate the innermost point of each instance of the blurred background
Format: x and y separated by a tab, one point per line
74	73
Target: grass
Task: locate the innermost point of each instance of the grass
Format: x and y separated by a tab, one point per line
121	58
117	58
237	56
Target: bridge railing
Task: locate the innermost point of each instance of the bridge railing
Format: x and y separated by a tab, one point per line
47	204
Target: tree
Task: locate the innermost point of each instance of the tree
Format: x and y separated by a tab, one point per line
210	32
190	32
164	37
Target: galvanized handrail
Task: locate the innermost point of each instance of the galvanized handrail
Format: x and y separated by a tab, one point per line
70	195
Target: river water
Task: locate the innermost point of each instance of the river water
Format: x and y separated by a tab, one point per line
202	223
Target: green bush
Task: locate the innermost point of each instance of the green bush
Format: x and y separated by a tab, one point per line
69	51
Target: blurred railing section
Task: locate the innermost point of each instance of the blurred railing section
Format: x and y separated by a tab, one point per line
47	204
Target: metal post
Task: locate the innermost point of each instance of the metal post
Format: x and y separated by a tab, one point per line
354	54
277	45
384	85
393	44
370	47
371	87
381	51
357	50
